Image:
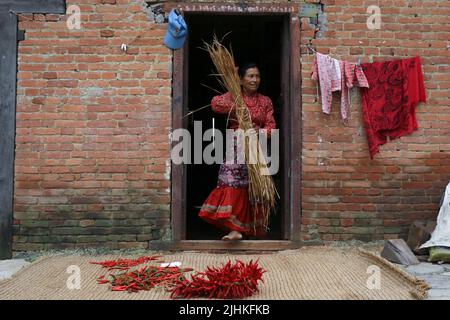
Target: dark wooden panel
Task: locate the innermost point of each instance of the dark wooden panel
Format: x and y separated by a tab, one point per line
36	6
20	35
178	205
8	70
285	128
296	128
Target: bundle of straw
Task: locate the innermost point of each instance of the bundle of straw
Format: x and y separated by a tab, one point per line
261	186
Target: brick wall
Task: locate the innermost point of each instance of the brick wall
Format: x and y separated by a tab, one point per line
92	148
92	151
345	194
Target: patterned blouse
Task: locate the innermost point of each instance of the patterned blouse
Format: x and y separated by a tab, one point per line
260	107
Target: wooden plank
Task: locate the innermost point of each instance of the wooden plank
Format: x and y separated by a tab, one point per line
185	122
178	191
296	128
255	245
285	129
36	6
8	70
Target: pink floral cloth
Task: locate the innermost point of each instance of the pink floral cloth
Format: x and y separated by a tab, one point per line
334	75
326	70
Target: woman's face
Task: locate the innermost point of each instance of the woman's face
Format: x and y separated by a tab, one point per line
250	81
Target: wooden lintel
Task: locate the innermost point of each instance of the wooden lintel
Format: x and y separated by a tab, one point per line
233	8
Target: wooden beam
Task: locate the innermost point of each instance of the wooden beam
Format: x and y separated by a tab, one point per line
36	6
296	128
8	70
285	129
178	177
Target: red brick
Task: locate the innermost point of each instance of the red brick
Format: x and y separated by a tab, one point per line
50	75
346	222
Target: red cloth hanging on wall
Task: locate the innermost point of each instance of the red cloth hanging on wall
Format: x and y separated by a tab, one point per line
388	105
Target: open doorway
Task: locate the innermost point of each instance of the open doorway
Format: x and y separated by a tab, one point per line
252	38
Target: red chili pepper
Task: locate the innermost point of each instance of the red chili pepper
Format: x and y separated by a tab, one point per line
236	280
144	278
118	288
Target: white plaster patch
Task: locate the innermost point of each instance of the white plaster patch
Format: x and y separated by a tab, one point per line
168	169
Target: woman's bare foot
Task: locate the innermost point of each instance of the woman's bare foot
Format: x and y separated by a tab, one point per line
233	235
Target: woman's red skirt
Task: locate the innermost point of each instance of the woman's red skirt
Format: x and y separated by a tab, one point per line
229	208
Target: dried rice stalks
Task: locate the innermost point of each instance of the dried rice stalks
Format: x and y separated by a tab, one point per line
261	186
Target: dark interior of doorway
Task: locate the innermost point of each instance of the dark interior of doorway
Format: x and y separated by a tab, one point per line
252	38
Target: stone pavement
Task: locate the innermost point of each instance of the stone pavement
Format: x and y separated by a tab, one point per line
436	275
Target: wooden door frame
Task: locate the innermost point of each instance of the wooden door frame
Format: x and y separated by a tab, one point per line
293	126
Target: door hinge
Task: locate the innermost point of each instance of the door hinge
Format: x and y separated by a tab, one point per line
20	35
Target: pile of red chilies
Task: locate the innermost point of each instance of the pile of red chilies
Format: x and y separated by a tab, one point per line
231	281
145	278
125	264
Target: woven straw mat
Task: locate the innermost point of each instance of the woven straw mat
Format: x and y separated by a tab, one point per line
308	273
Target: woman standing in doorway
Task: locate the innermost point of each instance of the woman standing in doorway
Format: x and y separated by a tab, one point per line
228	206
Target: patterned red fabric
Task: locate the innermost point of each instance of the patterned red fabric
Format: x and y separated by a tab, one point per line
260	107
388	105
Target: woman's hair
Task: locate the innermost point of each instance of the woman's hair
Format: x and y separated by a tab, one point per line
244	67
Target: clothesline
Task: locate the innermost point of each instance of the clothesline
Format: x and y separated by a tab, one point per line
314	51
